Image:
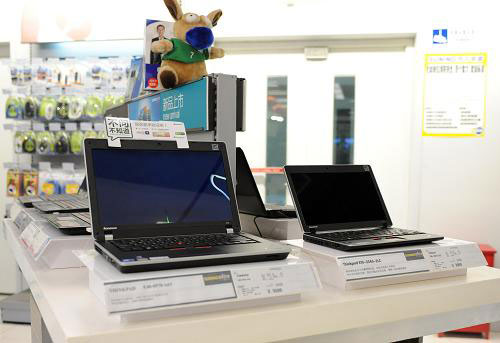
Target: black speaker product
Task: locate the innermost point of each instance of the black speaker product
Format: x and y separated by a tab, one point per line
62	109
29	142
31	108
61	145
45	142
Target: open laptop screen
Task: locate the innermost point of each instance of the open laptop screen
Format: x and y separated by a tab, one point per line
144	187
338	195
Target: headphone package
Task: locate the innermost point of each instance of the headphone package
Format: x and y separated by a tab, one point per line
14	183
30	182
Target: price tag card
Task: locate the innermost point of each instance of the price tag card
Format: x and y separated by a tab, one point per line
446	255
237	284
170	291
383	264
70	126
34	239
85	126
55	126
278	280
99	126
38	127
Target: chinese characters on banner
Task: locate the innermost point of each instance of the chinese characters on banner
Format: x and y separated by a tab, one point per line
455	95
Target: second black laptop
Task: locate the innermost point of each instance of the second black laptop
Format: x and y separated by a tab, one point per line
341	207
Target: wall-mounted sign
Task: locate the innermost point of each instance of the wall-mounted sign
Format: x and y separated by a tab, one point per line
455	95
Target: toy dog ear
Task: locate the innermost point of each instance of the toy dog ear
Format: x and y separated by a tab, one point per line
174	8
214	16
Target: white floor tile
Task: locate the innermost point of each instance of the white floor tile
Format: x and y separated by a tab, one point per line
462	338
15	333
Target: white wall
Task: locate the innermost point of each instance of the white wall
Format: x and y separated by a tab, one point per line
456	180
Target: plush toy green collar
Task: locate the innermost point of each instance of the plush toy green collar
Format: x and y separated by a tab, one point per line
185	53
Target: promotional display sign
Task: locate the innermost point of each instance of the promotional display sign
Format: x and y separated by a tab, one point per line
123	128
155	31
187	104
455	95
146	109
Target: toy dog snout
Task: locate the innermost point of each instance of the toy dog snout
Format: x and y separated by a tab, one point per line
200	37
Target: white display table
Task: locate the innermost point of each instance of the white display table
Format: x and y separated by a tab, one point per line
71	313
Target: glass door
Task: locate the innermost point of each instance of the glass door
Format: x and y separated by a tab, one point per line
349	108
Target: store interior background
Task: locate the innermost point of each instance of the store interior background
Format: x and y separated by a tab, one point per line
442	185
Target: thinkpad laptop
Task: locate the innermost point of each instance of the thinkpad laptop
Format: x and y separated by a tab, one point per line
155	206
248	196
340	206
63	202
70	223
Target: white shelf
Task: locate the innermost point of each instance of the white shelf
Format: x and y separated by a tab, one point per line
381	314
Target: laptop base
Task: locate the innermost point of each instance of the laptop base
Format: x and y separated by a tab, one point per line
356	245
147	267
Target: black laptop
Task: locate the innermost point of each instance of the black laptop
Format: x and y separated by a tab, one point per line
155	206
70	223
62	202
248	196
340	206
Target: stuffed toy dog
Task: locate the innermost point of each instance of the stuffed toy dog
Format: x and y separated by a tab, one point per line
184	56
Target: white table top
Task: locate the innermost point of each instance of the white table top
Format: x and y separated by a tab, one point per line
380	314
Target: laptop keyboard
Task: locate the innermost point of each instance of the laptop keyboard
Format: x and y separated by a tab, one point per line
74	203
180	242
366	234
64	197
85	216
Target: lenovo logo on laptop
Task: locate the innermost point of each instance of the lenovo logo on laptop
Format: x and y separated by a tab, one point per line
110	228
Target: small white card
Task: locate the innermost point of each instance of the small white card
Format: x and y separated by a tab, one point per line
70	126
34	239
86	126
38	127
55	127
394	263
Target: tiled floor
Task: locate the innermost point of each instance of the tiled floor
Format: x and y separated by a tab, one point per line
462	338
13	333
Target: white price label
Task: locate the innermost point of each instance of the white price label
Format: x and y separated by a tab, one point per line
383	264
272	281
85	126
70	126
34	239
99	126
239	284
170	291
455	257
38	127
55	126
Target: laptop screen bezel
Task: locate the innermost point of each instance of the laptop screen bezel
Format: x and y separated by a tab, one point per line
152	230
289	170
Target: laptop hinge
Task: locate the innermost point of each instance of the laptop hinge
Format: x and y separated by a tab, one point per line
108	237
229	230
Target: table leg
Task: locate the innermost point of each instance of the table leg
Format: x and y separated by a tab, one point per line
39	333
